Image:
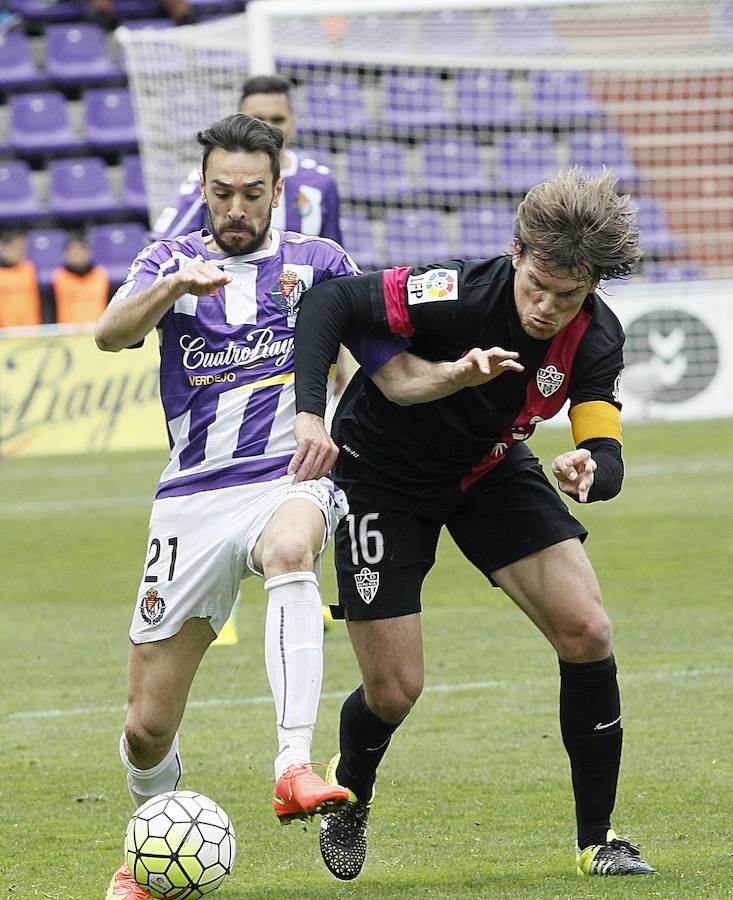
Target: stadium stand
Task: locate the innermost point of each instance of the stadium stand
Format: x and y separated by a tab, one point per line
110	120
113	246
40	125
77	55
18	200
80	189
18	68
46	250
431	157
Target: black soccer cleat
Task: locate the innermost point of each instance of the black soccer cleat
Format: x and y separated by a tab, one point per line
613	857
342	837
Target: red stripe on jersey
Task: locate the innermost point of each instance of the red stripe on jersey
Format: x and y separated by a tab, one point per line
393	285
537	407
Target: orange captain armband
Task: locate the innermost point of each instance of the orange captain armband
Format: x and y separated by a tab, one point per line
595	419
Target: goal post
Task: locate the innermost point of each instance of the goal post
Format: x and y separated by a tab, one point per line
436	118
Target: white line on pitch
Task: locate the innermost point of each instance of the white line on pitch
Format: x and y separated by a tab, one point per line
658	675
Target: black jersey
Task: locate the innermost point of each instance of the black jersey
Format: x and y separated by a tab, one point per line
445	309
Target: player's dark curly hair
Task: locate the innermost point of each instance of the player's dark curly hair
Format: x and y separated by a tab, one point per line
240	133
579	224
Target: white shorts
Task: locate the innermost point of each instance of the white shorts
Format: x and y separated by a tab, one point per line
200	548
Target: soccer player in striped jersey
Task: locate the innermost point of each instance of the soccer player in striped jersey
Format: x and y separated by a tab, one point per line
462	461
224	304
310	205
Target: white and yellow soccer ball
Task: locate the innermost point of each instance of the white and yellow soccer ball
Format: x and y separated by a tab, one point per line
179	845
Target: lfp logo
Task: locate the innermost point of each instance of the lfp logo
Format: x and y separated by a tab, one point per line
441	284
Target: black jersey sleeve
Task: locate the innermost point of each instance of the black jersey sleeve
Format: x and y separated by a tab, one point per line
328	312
609	474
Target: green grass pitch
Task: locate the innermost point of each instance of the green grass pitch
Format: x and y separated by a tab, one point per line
473	799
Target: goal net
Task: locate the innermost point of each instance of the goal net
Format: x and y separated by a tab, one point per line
436	117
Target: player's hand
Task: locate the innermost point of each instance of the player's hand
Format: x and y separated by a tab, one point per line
202	278
316	452
479	366
575	472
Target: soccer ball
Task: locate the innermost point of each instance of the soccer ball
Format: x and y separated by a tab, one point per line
180	844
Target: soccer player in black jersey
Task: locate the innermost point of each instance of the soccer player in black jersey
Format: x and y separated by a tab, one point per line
458	458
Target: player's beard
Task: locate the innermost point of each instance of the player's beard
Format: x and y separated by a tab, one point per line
255	242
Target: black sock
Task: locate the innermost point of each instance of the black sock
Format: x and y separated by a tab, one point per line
590	722
364	740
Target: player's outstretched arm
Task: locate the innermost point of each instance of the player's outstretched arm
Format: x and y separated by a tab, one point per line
575	472
129	318
315	452
407	379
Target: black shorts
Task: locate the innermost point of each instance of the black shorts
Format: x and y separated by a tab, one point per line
386	545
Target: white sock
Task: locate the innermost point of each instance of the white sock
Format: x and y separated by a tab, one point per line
294	747
146	783
294	662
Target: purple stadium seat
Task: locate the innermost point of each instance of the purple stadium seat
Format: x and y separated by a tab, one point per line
133	191
80	188
46	250
377	171
76	54
594	149
359	241
486	98
18	69
656	237
684	271
561	97
115	247
336	105
413	100
524	30
18	200
415	236
486	231
43	12
110	119
524	160
453	167
40	124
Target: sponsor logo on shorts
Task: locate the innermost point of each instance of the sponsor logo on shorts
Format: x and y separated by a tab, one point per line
438	284
152	607
549	380
367	583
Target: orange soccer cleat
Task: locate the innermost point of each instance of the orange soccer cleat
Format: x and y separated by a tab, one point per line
300	794
124	887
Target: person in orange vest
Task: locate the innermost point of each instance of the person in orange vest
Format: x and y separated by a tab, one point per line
80	287
20	296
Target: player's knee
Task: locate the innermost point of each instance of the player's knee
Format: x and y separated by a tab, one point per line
145	741
287	552
392	699
587	639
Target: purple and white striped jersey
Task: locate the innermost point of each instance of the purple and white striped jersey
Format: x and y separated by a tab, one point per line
309	204
226	360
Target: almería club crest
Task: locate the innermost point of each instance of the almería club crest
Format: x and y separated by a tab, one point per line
367	583
549	380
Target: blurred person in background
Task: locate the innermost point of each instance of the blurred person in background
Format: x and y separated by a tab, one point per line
310	203
104	13
20	295
80	288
